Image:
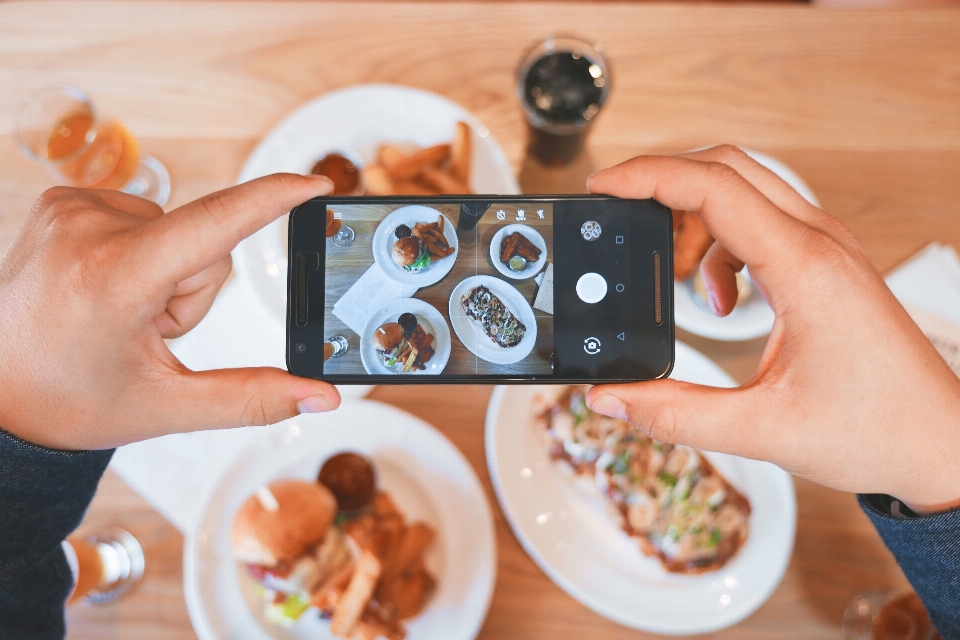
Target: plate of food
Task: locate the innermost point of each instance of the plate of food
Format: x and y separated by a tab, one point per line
361	523
492	319
662	538
405	336
752	317
415	245
518	251
380	131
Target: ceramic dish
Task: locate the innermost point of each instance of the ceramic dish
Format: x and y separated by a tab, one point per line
531	234
472	335
430	319
384	239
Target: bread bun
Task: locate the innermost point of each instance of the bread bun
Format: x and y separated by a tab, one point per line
387	336
305	512
407	250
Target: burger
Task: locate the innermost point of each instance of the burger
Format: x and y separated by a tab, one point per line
388	340
411	254
284	535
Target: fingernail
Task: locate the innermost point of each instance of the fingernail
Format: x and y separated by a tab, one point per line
610	406
714	305
314	404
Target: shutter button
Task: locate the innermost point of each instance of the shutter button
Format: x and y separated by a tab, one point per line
591	287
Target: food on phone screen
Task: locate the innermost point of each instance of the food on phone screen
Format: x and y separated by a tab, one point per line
690	243
441	169
411	254
496	320
364	570
342	172
517	263
408	348
518	245
351	478
669	497
416	248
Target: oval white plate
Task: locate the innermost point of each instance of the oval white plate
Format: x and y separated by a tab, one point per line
430	319
530	234
472	335
424	473
384	239
562	522
358	118
754	318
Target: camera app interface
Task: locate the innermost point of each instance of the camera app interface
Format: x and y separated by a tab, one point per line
446	289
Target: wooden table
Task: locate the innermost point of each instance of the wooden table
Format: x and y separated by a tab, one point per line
865	105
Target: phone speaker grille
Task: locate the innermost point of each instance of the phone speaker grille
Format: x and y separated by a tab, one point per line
657	290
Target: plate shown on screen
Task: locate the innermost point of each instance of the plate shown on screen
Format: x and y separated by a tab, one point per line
430	319
428	478
473	336
358	118
566	529
531	234
384	238
753	318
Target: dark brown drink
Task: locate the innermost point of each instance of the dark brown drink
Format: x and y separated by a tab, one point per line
562	84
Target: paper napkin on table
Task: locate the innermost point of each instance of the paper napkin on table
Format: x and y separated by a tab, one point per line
368	294
928	286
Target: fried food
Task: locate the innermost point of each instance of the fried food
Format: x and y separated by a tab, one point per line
516	244
436	170
690	244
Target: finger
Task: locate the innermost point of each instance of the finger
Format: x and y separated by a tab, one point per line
719	269
192	237
733	210
256	396
192	300
682	413
125	202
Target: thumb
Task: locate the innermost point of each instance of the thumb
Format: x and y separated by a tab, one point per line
676	412
253	396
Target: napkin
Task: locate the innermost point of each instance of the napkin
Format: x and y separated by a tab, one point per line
368	294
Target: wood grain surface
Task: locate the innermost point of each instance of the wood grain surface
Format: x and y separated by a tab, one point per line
864	105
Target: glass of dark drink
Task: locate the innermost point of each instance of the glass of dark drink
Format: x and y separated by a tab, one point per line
562	84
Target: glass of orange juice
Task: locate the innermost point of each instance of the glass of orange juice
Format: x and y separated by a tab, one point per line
60	129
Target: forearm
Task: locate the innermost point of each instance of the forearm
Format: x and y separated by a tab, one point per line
928	550
43	496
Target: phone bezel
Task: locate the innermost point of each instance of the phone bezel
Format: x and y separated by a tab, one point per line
666	286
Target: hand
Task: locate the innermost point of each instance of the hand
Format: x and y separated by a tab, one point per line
92	285
848	393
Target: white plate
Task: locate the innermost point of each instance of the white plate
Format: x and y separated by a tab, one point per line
472	335
430	319
384	239
562	522
358	118
754	318
425	474
531	234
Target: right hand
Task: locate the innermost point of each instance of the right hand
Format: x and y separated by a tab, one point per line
849	393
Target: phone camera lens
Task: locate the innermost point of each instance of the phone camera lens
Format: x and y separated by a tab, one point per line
301	348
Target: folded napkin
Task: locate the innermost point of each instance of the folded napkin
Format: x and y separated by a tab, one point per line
368	294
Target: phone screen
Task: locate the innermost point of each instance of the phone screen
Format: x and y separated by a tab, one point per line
524	289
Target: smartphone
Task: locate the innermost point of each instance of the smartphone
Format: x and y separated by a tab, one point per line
487	289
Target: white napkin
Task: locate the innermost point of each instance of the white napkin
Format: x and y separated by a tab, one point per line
368	294
175	472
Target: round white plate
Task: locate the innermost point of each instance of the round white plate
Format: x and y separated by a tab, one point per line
430	319
384	239
531	234
751	319
425	474
359	118
562	522
473	336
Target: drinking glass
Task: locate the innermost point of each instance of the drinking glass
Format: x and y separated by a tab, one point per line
562	83
60	129
887	615
105	565
335	347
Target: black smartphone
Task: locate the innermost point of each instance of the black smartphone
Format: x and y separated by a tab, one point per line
491	289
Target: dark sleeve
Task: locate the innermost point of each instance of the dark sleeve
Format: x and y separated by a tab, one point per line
928	550
43	496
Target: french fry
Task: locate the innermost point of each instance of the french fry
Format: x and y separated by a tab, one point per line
416	539
390	155
413	165
509	246
460	152
408	365
440	223
378	182
354	600
443	182
325	596
690	244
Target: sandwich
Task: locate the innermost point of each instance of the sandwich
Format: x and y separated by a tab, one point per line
411	254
